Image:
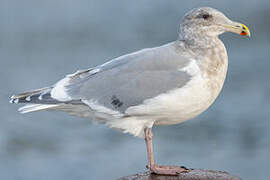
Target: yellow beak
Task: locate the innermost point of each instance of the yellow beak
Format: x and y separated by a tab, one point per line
238	28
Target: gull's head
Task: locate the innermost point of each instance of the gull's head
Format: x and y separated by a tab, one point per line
209	22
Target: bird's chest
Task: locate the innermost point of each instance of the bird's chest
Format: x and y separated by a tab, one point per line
185	103
214	69
199	93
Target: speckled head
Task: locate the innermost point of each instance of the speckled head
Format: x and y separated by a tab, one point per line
208	22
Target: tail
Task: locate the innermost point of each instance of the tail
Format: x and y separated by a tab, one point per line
39	99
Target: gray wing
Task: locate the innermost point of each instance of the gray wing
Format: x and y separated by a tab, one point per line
129	80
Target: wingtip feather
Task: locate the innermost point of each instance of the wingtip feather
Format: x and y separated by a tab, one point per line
36	107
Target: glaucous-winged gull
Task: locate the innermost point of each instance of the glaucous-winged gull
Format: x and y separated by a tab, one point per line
157	86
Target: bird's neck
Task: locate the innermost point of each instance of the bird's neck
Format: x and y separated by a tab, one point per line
198	39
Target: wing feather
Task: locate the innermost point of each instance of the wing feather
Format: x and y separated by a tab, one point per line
128	80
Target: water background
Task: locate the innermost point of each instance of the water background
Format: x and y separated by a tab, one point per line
41	41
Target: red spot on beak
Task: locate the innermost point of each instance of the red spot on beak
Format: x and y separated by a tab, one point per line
243	33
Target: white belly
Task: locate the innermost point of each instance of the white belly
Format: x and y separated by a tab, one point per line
177	105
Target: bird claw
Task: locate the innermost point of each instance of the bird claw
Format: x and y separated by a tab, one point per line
168	170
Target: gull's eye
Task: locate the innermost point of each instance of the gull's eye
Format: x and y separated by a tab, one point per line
205	16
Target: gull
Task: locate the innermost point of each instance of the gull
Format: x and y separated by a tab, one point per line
163	85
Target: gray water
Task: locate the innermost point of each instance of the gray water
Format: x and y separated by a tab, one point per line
41	41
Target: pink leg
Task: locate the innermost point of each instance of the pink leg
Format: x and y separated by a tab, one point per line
164	170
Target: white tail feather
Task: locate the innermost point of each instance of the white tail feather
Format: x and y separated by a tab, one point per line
36	107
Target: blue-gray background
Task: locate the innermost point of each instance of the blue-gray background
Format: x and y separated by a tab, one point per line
42	40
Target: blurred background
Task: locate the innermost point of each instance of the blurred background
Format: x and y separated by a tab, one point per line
42	40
